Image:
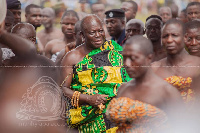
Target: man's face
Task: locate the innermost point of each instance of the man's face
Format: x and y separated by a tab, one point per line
114	26
172	38
165	14
130	13
192	41
133	29
47	19
99	10
17	14
9	23
153	29
134	60
182	17
94	34
67	25
35	17
193	12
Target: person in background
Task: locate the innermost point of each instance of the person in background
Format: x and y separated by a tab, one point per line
9	21
193	11
15	7
174	9
165	13
49	32
115	23
192	37
130	8
183	16
153	27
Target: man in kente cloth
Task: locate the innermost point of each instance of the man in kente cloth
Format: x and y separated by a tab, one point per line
92	74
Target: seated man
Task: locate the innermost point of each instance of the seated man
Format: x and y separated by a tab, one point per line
92	74
178	68
192	37
132	110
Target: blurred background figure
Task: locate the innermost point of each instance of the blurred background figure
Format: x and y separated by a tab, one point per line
49	32
192	37
193	11
99	9
130	8
34	16
9	21
174	8
165	13
183	16
15	7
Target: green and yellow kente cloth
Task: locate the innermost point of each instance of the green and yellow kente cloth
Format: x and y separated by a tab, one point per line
100	72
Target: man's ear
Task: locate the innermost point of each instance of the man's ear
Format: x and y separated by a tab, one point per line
150	58
82	36
185	38
143	31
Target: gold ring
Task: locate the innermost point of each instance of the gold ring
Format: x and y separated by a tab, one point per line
101	107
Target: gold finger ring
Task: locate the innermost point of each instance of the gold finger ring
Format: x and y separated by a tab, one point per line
101	107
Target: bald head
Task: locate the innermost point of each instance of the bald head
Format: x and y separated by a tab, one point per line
89	21
134	27
25	30
144	44
48	11
165	13
174	9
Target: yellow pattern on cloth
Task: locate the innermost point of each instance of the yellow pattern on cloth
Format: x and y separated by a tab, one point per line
183	85
134	116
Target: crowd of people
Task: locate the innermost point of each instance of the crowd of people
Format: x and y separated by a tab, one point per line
102	72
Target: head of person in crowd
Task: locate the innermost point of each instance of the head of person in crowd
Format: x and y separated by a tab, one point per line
165	13
48	16
68	21
78	33
193	11
173	36
134	27
174	9
98	9
33	15
130	8
138	52
192	37
92	31
153	28
115	22
9	21
183	16
15	7
25	30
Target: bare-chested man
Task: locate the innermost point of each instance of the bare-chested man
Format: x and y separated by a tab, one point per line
178	62
153	31
145	92
53	47
138	54
50	32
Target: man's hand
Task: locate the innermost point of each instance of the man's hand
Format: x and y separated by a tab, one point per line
97	99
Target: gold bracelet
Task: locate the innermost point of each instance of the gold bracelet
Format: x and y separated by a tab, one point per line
72	100
78	99
75	98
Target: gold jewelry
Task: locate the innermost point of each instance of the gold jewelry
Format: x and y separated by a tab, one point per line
101	107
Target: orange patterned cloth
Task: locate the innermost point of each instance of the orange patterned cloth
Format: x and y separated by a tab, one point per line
134	116
183	85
